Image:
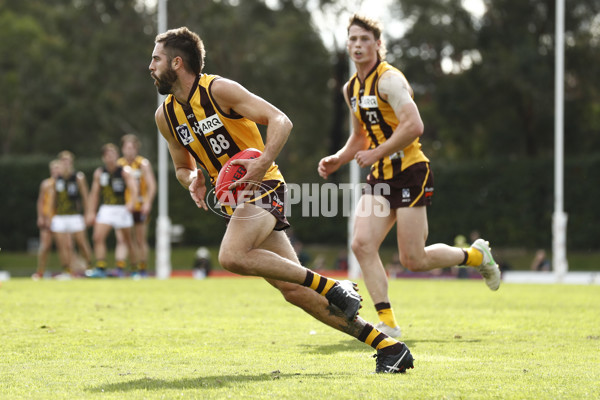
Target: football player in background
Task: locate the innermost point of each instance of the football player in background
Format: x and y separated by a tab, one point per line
386	127
107	197
141	169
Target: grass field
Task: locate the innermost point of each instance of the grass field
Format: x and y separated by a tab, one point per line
21	264
236	338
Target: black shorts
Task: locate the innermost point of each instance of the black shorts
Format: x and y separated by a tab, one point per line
138	217
411	188
270	197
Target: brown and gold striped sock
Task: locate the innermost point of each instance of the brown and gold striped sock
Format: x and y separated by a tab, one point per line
379	341
318	283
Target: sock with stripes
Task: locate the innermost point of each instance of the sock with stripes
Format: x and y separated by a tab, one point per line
318	283
378	340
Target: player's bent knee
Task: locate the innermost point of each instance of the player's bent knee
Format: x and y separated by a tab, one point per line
360	247
232	262
412	264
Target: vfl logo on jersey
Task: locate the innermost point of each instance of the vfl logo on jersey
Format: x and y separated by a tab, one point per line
184	134
207	125
104	179
353	103
118	185
368	102
72	188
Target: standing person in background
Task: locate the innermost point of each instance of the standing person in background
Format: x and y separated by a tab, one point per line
70	198
108	191
45	211
386	130
141	169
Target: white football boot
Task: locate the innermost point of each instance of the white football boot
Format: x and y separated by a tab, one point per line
488	268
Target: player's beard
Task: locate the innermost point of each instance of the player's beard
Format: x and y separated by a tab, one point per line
165	83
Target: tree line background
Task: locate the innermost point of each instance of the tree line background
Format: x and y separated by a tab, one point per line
74	75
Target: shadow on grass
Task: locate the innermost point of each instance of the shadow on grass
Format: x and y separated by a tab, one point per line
347	345
203	382
355	345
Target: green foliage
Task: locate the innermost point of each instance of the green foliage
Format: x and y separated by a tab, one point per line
74	76
499	96
238	338
82	85
86	79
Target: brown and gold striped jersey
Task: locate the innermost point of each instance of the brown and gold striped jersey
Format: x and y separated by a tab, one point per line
136	171
210	135
379	121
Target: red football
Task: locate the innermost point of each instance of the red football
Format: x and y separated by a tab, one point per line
232	173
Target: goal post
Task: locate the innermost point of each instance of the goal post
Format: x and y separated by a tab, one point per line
163	223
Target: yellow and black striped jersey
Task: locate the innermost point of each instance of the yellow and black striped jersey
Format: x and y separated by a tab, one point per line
379	121
211	136
68	198
138	176
112	187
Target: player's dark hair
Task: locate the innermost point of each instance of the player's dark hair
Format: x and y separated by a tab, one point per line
182	42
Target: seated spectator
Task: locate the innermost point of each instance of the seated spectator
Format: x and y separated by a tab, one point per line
540	261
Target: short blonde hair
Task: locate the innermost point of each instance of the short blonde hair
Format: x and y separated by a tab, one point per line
66	154
130	137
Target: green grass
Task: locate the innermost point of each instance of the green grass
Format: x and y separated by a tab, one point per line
21	264
237	338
